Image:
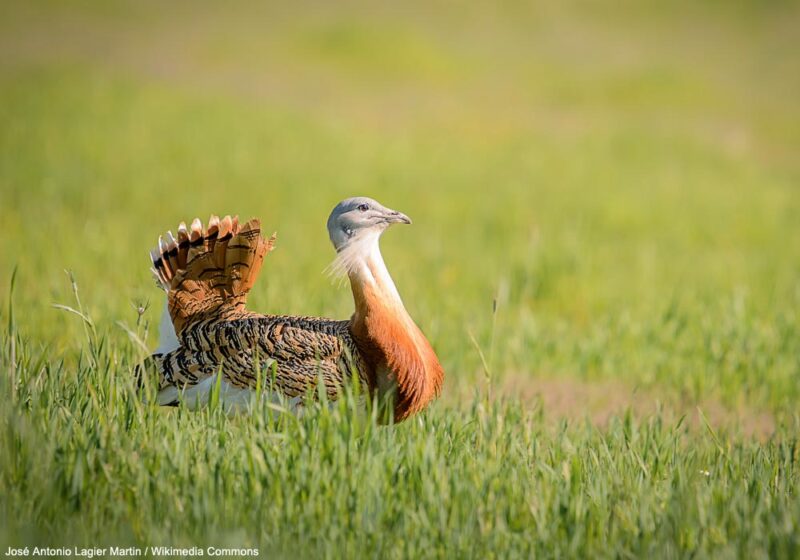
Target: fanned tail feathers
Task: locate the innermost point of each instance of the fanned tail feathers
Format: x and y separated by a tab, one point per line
204	271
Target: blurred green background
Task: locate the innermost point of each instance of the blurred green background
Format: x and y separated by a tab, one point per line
621	177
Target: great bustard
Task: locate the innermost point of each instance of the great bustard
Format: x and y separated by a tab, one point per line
207	274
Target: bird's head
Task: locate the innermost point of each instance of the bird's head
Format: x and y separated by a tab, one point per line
360	218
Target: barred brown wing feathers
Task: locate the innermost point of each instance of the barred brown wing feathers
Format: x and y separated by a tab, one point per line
301	342
301	348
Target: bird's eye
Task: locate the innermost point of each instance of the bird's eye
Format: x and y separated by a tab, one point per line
363	207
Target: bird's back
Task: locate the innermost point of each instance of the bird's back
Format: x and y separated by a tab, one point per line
286	354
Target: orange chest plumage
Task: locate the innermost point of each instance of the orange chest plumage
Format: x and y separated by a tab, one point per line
394	346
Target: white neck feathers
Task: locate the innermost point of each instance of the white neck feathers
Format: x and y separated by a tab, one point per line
362	261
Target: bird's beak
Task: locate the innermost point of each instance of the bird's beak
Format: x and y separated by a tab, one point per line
394	217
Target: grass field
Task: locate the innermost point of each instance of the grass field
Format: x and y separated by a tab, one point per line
619	181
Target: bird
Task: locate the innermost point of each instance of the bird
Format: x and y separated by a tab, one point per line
209	338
